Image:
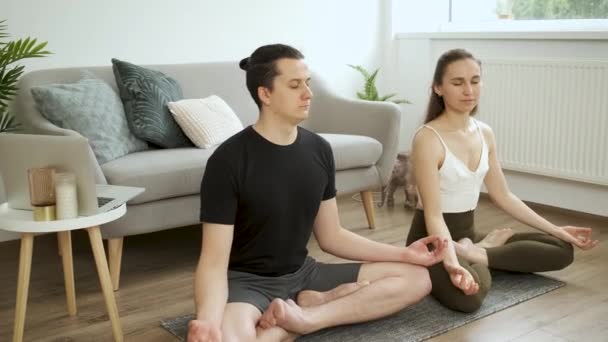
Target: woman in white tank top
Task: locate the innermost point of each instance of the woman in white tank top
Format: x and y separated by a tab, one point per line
452	155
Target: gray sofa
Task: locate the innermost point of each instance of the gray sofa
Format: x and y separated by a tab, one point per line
363	135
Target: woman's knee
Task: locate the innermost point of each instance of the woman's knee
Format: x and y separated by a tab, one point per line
454	299
565	256
464	303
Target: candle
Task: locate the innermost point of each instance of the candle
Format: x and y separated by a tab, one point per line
42	190
42	193
65	196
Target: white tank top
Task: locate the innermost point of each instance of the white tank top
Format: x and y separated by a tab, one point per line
459	186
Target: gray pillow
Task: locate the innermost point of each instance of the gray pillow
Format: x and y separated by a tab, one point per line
145	94
93	109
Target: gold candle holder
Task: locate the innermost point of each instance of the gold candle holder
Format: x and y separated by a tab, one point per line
44	213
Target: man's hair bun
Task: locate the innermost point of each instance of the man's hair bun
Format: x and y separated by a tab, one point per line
244	63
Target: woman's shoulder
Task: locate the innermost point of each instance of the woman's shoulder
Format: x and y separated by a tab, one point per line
425	137
485	128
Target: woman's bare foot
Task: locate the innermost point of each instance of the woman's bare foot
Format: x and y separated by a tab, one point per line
309	298
287	315
471	252
496	238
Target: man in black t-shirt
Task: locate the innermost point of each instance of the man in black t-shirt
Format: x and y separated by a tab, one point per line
264	191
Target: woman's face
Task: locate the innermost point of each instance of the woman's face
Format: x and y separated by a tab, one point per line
460	86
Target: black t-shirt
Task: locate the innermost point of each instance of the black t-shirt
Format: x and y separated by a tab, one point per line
271	194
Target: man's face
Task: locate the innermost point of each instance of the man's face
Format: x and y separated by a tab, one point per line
290	96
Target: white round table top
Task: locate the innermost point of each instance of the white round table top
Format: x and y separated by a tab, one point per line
22	221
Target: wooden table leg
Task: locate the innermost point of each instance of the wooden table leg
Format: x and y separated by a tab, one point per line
65	243
106	283
368	204
23	283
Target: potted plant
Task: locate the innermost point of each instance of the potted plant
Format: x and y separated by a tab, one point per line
370	91
11	52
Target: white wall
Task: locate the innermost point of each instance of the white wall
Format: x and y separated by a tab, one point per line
424	16
331	34
88	32
413	66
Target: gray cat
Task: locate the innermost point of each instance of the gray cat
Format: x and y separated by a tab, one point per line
400	177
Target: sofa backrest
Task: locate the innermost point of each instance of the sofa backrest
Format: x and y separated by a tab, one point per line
197	80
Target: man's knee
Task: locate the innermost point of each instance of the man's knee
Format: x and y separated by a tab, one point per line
417	280
238	333
422	280
239	322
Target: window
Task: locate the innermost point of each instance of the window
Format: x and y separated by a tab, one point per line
480	10
500	16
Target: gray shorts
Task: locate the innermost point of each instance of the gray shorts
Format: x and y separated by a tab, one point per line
259	291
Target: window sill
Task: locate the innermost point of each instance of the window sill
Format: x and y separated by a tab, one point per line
534	35
593	29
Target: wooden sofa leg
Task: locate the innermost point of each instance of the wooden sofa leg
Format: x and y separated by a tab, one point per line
368	203
115	259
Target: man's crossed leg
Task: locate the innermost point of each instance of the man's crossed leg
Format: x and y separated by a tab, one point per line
381	289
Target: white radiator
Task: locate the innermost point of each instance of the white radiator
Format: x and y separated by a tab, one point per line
549	117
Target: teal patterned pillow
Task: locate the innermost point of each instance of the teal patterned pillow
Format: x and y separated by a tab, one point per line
145	94
93	109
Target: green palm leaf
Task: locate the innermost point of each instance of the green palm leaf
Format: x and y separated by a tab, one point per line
370	91
360	69
361	96
401	101
8	122
11	52
370	86
386	97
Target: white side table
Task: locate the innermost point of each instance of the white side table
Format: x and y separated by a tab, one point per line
22	221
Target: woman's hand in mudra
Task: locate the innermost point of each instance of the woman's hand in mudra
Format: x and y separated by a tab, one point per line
462	279
578	236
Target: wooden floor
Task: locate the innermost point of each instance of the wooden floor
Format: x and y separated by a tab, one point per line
157	274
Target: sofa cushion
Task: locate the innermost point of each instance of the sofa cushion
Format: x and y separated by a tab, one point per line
353	151
93	109
167	173
145	94
207	122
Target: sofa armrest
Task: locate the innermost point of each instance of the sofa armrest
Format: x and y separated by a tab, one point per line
47	128
34	123
331	113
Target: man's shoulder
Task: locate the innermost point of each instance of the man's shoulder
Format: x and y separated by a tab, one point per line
231	147
313	138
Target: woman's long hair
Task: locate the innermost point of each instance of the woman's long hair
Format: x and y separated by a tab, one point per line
436	105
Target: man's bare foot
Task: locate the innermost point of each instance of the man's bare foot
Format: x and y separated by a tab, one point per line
199	330
290	338
309	298
496	238
471	252
287	315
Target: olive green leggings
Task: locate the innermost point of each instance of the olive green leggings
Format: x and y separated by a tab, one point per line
523	252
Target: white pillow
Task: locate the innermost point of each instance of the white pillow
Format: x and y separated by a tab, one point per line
207	122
